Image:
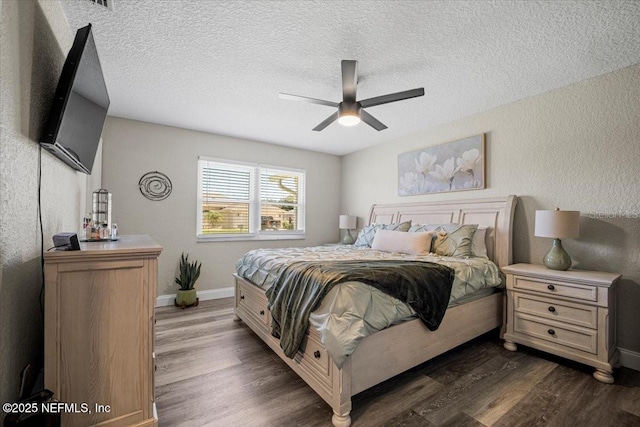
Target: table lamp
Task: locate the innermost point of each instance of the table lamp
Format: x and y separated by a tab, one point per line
558	225
348	222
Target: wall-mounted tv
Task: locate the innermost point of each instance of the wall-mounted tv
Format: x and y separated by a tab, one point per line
73	128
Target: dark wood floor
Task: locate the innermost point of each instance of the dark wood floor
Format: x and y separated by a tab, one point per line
212	371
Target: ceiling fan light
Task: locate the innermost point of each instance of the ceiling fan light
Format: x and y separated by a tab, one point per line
349	120
349	113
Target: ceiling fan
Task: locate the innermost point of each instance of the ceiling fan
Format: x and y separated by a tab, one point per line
351	112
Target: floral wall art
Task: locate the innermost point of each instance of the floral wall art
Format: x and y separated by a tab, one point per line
454	166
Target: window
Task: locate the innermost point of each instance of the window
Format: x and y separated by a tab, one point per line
239	201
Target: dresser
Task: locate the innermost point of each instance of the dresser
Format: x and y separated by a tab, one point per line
571	314
99	331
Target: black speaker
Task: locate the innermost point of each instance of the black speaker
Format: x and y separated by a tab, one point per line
66	242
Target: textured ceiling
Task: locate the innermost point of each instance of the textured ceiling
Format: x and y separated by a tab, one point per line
217	66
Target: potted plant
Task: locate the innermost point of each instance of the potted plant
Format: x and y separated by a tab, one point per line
189	273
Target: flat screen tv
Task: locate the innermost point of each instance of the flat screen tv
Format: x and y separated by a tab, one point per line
79	110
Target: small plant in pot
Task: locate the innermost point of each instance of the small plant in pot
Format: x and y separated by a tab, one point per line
189	273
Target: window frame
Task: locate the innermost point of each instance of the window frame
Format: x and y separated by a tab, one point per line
255	203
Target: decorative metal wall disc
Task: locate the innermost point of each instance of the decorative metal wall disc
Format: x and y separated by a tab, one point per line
155	186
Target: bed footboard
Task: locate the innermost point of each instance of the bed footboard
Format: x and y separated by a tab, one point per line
394	350
379	356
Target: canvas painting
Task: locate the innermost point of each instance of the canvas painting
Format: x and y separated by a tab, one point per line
454	166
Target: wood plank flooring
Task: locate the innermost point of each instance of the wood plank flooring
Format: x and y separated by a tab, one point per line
212	371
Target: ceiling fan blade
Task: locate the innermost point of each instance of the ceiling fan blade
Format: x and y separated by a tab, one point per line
332	118
307	99
371	121
349	80
392	97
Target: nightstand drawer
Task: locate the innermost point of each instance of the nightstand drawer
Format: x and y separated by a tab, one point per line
563	335
553	309
560	289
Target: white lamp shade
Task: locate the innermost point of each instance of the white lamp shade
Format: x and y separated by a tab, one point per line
558	224
348	222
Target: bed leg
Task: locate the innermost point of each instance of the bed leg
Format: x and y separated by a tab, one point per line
510	345
341	396
341	420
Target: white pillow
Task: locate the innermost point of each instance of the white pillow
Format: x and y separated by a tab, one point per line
406	243
479	244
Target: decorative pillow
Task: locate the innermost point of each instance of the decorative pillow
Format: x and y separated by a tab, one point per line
457	240
406	243
366	235
421	228
479	244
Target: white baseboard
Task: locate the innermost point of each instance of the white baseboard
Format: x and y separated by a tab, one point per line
164	300
629	359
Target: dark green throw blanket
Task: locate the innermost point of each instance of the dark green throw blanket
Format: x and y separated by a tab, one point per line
300	287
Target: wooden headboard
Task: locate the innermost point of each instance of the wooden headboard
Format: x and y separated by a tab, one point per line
495	213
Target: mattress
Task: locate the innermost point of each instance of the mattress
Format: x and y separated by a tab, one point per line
354	310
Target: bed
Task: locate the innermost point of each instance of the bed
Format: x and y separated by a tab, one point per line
403	345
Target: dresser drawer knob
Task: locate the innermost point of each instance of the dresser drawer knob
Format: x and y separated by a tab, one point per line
241	297
551	287
316	354
552	309
261	312
551	332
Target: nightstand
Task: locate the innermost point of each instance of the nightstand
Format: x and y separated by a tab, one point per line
571	314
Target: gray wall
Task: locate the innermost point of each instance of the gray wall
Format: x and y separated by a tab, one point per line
34	41
577	148
132	148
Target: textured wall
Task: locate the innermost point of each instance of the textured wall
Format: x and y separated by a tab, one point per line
132	148
577	148
34	41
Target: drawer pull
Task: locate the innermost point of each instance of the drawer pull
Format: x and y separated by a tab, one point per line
261	312
551	287
316	354
551	332
552	309
241	297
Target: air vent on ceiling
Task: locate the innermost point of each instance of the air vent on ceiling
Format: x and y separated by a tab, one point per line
106	3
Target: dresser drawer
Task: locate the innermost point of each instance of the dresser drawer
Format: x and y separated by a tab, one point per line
559	334
555	288
555	309
253	301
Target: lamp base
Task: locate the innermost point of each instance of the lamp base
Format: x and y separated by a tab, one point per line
347	238
557	258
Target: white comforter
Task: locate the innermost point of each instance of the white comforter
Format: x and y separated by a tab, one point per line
354	310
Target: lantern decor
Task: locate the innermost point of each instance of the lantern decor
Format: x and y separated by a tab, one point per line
101	215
